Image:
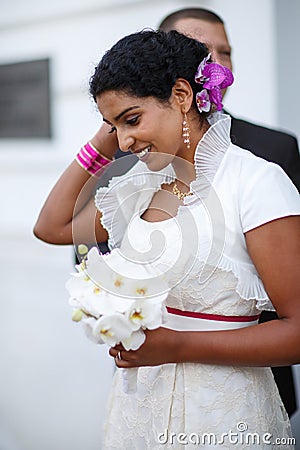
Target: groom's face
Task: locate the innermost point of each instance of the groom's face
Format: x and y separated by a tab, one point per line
212	34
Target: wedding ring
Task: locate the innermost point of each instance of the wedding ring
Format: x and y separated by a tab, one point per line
119	356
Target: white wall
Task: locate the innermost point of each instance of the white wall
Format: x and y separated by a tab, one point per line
288	63
53	382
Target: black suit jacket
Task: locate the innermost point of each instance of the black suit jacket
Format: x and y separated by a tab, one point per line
282	149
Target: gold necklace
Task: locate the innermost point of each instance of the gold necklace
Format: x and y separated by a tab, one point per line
179	194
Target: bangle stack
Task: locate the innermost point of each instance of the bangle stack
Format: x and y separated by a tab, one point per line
90	159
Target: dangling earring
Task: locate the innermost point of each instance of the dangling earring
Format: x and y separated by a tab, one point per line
186	132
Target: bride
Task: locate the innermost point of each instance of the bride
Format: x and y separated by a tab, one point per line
230	248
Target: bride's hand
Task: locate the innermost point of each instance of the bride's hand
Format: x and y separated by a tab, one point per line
105	141
160	347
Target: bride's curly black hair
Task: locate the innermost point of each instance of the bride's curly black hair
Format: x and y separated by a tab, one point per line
148	63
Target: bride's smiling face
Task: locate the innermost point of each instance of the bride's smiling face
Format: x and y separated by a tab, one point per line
146	126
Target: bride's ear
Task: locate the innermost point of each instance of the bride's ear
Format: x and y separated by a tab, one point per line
183	94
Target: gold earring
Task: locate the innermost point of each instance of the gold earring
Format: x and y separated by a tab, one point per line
186	132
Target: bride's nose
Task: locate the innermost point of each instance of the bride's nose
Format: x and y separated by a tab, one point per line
126	140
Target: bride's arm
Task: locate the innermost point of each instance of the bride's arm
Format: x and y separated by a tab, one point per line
69	213
275	251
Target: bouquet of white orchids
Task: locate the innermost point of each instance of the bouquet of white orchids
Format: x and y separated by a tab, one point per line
116	298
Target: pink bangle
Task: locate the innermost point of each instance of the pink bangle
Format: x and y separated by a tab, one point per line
90	159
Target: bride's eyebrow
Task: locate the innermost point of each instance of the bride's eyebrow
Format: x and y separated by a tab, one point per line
125	111
118	117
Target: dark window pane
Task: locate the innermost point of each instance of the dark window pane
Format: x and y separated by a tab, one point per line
25	100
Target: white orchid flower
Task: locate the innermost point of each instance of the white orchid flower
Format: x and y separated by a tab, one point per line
100	272
112	328
145	314
134	341
85	295
88	326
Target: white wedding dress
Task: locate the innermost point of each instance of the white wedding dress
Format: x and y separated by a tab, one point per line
205	258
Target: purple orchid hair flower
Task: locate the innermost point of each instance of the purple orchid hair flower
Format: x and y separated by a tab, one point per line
215	96
199	78
228	80
214	75
214	78
203	101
